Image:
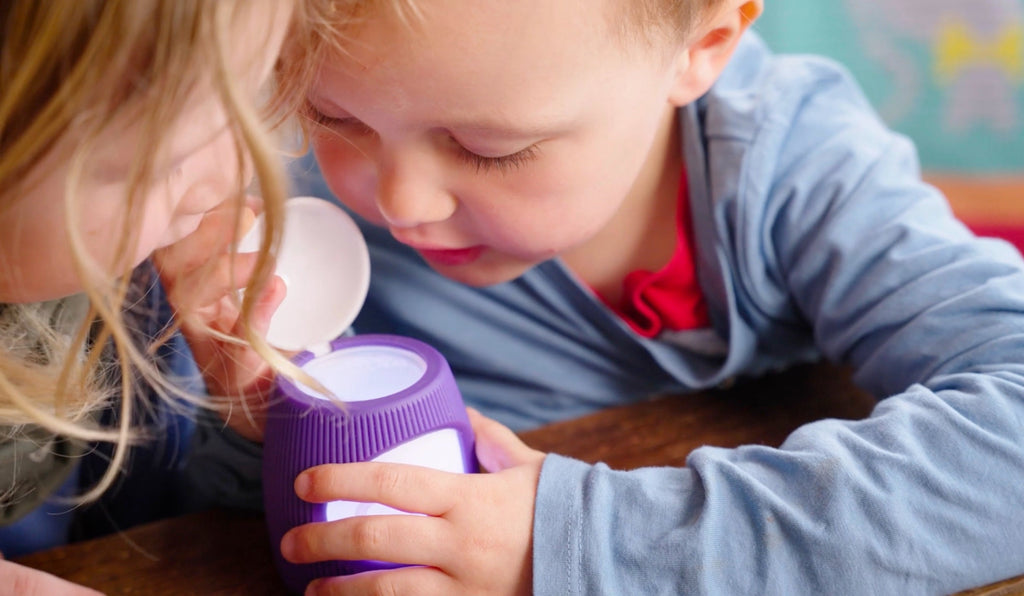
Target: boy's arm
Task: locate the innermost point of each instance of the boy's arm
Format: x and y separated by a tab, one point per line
924	496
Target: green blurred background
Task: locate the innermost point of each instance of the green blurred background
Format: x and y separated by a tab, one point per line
948	73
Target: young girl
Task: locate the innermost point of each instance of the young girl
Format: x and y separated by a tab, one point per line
582	204
123	127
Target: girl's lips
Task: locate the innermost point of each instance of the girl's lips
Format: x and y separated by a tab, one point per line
451	257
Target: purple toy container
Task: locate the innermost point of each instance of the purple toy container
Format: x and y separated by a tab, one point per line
401	405
393	399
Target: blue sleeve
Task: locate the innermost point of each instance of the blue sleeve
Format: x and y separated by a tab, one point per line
830	220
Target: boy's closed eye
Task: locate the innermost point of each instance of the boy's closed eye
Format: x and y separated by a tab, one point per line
501	163
483	163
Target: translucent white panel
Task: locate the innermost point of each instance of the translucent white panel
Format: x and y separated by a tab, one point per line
440	450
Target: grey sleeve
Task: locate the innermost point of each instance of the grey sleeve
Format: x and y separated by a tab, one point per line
33	464
224	469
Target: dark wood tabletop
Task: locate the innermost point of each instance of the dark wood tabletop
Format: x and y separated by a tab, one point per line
226	552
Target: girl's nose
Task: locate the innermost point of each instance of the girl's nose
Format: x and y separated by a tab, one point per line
408	197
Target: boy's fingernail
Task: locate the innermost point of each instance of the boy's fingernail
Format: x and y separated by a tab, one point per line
288	546
302	484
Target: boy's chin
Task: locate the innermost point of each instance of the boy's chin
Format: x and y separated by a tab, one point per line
484	273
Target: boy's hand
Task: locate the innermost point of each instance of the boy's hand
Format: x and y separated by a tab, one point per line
24	581
476	537
201	280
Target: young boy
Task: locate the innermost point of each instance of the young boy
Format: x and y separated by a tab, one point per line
582	204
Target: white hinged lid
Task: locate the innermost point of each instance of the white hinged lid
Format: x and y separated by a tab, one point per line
325	264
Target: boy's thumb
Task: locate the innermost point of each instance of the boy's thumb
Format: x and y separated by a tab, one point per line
497	447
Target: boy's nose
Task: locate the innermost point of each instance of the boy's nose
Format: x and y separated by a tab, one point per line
407	200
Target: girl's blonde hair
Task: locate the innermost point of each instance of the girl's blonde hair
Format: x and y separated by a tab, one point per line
72	67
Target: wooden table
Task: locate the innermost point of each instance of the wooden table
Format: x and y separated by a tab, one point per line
223	552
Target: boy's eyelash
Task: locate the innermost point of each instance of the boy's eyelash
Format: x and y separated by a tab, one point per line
503	163
482	163
320	119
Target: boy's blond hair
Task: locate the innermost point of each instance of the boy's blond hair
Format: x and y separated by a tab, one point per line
645	19
326	25
70	67
632	19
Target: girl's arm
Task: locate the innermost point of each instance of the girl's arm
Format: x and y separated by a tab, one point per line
224	469
25	581
202	279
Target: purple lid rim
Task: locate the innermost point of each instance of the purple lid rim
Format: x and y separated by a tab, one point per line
431	357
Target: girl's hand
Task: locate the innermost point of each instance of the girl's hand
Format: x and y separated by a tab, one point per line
202	280
25	581
476	536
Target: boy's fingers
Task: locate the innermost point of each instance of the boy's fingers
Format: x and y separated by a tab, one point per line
406	580
497	447
409	539
402	486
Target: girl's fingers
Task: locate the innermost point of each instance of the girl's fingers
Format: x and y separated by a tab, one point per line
266	305
407	580
25	581
213	237
408	539
405	487
254	204
198	292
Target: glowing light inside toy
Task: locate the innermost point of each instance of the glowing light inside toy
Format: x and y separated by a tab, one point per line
365	373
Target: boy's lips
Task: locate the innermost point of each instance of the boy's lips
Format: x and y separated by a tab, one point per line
451	256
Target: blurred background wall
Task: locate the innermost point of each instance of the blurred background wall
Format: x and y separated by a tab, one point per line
948	73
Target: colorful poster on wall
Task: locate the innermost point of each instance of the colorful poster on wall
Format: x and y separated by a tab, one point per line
948	73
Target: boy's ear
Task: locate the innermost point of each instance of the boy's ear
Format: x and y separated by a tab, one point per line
713	43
